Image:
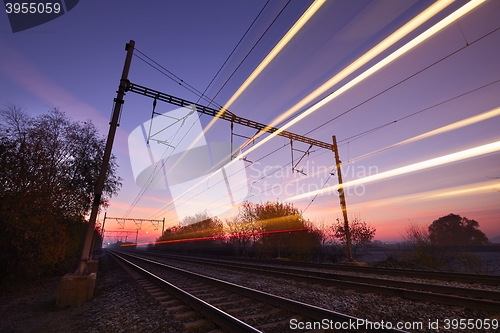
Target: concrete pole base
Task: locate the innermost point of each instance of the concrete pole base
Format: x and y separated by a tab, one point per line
75	289
92	266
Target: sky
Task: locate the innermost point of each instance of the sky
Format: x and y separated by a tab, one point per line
412	146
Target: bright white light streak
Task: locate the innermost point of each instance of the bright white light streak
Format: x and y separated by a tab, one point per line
446	159
365	58
456	191
447	128
274	52
419	39
277	49
381	64
456	125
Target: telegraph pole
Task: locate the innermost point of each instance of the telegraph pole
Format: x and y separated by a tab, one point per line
342	199
105	161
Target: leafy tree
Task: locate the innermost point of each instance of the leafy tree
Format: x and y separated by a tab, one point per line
49	165
203	236
54	160
250	221
454	230
283	230
419	251
361	235
240	235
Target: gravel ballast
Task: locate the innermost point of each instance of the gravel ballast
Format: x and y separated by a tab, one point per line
119	305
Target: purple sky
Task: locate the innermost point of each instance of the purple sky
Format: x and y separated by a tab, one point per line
75	61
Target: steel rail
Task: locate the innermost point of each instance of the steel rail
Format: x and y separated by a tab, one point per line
293	306
409	290
493	280
457	291
218	316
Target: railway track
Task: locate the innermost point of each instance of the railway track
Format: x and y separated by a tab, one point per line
205	301
457	296
492	280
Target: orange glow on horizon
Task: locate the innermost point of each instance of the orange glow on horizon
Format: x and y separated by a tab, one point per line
367	73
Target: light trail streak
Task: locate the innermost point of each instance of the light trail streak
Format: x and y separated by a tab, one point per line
365	58
223	237
456	191
444	129
456	125
381	64
277	49
438	161
393	56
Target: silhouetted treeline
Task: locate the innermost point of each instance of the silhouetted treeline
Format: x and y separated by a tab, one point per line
49	166
265	230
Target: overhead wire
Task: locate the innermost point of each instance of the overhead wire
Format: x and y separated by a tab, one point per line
388	59
201	95
320	126
279	46
402	81
373	69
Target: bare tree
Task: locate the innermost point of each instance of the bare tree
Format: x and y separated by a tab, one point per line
240	235
361	235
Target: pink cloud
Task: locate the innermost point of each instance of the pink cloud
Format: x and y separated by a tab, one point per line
18	69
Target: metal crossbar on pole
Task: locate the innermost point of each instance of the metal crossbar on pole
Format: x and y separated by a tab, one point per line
126	232
155	223
223	114
227	115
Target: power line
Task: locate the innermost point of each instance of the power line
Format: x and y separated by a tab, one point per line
234	49
362	134
201	95
248	53
404	80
